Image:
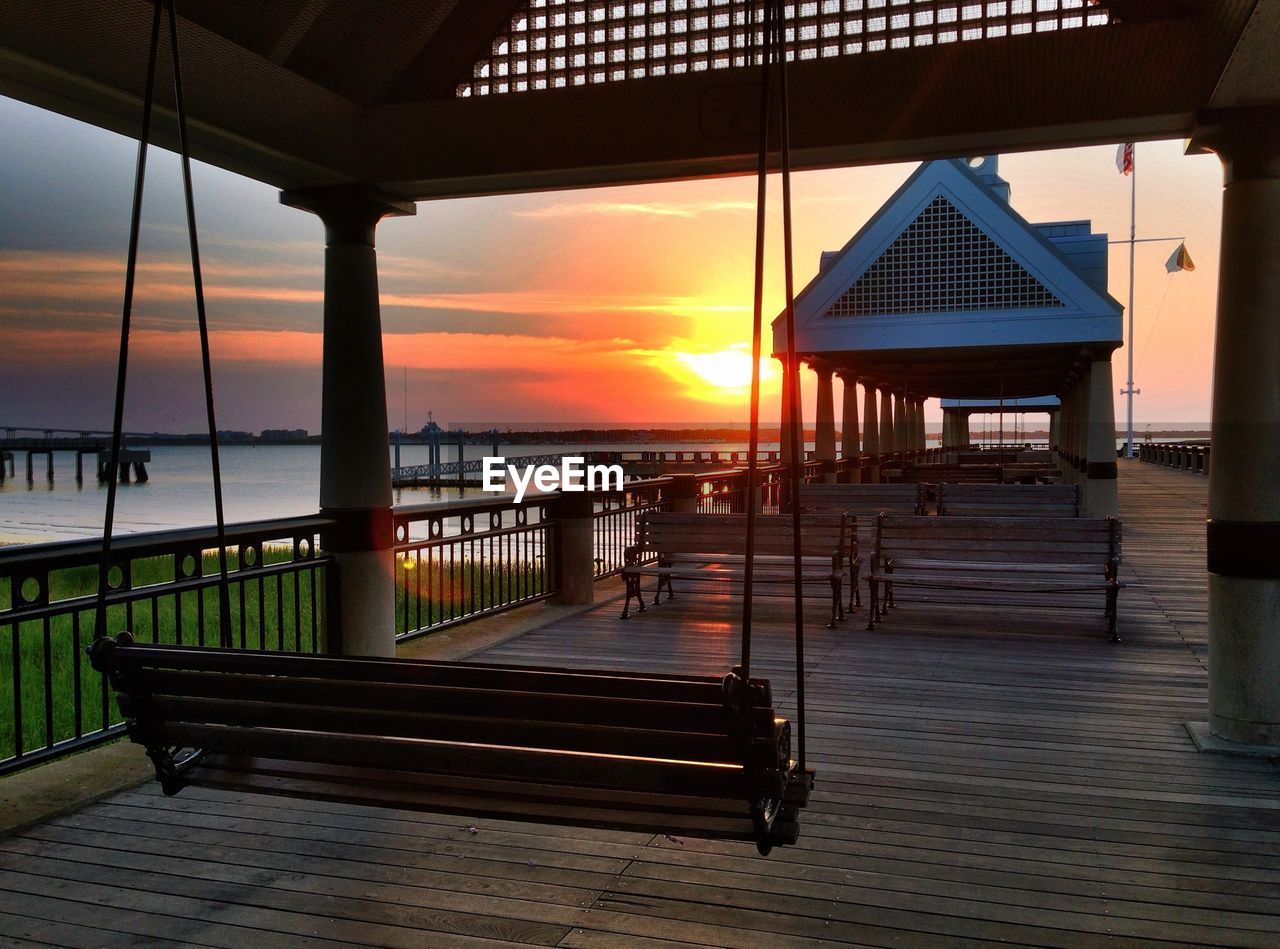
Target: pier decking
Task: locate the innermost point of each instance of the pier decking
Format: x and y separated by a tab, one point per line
981	776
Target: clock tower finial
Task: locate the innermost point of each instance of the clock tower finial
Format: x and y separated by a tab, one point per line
987	167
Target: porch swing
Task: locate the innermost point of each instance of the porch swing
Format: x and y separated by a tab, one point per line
699	756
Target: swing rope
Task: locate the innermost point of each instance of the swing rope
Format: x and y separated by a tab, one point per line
122	366
122	363
773	50
224	598
792	369
753	446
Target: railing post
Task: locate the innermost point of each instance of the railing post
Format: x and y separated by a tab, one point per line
575	547
684	492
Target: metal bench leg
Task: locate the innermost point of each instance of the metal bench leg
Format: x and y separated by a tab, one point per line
873	613
1112	603
837	604
631	584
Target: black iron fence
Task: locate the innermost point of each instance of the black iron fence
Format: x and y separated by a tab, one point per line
162	588
456	560
615	520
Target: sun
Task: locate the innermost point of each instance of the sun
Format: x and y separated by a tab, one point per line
726	369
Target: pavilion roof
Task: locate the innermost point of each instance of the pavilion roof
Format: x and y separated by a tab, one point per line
306	92
948	291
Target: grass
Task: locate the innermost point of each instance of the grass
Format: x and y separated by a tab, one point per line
43	666
43	669
434	591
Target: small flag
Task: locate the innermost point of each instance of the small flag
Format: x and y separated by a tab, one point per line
1180	260
1124	159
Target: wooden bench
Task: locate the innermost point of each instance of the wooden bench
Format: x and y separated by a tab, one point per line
1006	559
1028	472
712	548
1008	500
951	474
696	755
863	502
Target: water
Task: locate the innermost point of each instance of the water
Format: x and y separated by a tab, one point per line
259	482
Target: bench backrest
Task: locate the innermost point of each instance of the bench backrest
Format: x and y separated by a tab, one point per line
864	501
821	535
1035	540
954	474
1009	500
194	697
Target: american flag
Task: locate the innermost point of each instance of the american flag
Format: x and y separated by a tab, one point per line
1124	159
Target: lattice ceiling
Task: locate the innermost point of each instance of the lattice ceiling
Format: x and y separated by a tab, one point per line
559	43
942	263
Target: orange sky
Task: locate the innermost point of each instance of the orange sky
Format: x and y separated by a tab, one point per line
627	305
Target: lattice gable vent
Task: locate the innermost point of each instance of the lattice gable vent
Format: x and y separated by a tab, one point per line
942	263
553	44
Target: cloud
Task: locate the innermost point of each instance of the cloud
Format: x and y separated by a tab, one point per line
648	208
45	277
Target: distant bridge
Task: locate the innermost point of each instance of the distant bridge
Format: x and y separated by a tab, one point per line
81	442
635	464
452	472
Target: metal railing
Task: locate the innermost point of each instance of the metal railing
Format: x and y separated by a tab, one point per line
163	588
457	560
454	561
1184	456
616	517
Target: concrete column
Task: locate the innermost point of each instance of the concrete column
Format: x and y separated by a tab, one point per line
684	492
1065	464
1081	439
1053	430
1081	448
824	437
922	439
901	431
355	464
850	445
888	439
575	548
784	428
1244	503
870	434
1100	496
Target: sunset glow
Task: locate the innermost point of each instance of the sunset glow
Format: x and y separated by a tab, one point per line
728	369
627	305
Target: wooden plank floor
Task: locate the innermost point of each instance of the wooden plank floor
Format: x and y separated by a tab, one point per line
981	777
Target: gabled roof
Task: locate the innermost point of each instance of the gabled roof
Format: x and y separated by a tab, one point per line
947	267
311	92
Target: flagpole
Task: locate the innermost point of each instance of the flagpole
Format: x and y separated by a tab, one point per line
1133	239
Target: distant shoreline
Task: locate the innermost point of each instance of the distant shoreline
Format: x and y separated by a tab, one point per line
589	436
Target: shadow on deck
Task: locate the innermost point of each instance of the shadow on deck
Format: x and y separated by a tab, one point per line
981	776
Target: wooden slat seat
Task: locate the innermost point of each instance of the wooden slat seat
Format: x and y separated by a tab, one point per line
942	472
863	502
671	754
1009	500
711	548
1005	560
